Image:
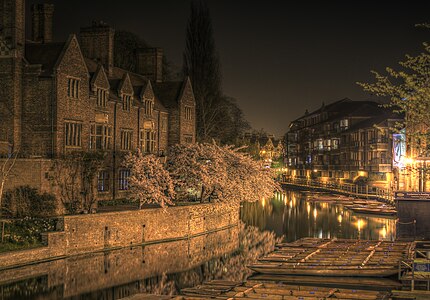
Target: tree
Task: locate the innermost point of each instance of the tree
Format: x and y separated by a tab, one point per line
149	182
201	64
232	123
217	172
248	179
5	171
74	175
409	92
196	169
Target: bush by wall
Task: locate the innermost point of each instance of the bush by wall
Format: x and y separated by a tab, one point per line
25	201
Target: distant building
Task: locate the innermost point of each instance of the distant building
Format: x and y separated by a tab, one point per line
346	140
56	98
264	146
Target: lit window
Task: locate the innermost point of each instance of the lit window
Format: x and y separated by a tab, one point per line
100	137
344	124
73	134
123	179
103	181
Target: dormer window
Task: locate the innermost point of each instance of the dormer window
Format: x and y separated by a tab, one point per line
73	88
149	107
102	96
188	113
126	102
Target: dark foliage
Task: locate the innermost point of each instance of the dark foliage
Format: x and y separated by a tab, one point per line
25	201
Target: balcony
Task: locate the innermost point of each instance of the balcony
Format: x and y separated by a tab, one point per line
380	165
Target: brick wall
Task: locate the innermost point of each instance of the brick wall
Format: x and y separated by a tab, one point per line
89	233
32	172
73	109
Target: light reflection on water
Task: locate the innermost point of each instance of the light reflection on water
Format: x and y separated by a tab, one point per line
166	268
290	215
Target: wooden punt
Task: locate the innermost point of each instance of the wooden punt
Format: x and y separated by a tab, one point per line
325	270
373	210
253	289
372	283
336	257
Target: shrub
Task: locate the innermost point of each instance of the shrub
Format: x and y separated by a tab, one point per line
25	201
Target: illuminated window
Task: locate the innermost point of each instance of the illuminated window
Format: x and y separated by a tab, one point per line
344	124
103	181
123	179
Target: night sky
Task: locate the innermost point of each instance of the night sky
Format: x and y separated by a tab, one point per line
278	57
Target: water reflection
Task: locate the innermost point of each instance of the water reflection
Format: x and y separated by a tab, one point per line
289	214
159	268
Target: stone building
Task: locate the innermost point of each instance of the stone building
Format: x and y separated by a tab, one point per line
56	98
345	140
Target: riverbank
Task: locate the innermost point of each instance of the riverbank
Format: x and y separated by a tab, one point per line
368	192
80	234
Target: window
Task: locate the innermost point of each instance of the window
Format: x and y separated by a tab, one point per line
147	140
126	136
103	181
149	107
73	134
335	143
73	88
123	179
344	124
100	136
101	97
327	145
188	113
126	102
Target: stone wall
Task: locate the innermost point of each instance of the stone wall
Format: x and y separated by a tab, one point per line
97	232
102	270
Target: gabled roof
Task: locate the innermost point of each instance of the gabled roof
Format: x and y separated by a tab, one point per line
46	55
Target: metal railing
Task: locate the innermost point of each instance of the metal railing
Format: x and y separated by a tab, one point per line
364	191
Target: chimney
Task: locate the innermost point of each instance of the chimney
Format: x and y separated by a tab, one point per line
150	63
41	15
97	43
12	25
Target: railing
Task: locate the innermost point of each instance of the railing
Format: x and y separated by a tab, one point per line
365	191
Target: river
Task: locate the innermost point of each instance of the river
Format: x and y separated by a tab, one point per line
166	268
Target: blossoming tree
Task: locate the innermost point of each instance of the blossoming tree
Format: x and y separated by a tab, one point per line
149	181
219	172
196	169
